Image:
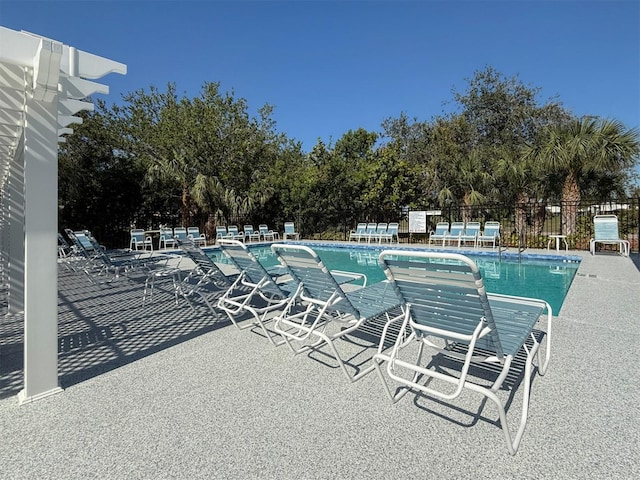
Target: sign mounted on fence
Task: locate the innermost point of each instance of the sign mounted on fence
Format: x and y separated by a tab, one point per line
418	222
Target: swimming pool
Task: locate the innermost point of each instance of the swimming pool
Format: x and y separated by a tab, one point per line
540	276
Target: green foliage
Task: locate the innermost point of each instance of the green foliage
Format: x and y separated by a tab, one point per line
165	158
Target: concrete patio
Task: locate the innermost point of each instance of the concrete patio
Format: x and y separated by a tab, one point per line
164	391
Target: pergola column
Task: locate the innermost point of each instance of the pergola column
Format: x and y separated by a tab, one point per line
43	84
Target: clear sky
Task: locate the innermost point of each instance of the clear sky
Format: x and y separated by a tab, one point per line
332	66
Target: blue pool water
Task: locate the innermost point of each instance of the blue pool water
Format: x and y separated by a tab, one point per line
547	277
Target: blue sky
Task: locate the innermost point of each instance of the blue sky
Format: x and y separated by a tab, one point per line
331	66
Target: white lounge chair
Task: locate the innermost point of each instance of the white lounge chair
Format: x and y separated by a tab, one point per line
250	234
391	233
490	234
255	291
370	232
266	233
447	309
198	238
605	231
166	238
234	234
470	234
356	234
180	233
454	234
290	231
140	241
320	311
442	228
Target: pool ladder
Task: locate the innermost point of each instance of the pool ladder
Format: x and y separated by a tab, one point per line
520	249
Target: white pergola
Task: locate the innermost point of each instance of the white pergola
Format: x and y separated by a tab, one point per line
43	83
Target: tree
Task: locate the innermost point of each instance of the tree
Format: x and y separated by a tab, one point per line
98	187
209	148
581	148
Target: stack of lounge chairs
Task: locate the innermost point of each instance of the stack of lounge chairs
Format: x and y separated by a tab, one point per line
469	233
375	232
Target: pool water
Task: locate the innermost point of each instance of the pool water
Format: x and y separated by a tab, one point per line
548	278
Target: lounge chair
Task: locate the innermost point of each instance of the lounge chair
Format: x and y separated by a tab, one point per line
250	234
391	233
221	232
234	234
166	238
198	238
267	234
490	234
180	233
470	234
442	228
605	231
447	308
64	249
290	231
356	234
255	291
102	267
370	232
140	241
454	234
320	311
381	231
206	278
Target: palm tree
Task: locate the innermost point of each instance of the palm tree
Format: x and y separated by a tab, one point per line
582	147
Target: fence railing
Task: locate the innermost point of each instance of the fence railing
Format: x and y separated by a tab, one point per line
524	225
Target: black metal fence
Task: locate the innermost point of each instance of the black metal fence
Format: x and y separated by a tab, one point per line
523	225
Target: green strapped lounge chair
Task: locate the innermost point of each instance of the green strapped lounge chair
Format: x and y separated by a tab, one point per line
139	240
255	291
290	231
206	278
198	238
357	234
454	234
250	234
446	308
490	234
266	233
391	233
470	233
234	234
166	238
605	228
381	231
221	232
180	233
369	232
320	311
442	228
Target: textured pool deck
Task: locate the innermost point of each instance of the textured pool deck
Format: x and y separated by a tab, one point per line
164	391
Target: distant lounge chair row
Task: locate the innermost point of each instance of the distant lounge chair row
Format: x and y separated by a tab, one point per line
232	232
168	236
462	234
377	232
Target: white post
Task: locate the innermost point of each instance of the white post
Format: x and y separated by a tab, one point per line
40	229
42	84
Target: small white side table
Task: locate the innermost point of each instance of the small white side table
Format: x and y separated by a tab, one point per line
557	239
